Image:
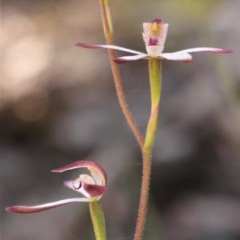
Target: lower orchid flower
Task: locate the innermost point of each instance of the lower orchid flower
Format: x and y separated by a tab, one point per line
91	186
154	36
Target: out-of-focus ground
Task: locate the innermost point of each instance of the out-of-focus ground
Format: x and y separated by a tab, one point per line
58	105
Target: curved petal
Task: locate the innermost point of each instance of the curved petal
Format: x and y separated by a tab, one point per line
114	47
177	56
206	49
124	59
88	190
96	170
46	206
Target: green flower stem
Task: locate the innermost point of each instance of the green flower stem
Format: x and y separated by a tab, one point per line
155	90
98	220
108	33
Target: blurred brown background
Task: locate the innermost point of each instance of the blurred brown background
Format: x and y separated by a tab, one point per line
58	105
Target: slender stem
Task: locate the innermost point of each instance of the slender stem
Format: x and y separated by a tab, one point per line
98	220
155	89
107	26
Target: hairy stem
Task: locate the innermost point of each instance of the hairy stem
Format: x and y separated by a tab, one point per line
155	90
107	26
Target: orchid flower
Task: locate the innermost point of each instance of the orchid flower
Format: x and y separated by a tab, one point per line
154	36
90	186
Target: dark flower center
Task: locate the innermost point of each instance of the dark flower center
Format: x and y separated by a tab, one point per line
153	42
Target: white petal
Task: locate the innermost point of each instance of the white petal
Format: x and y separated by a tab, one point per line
131	58
206	49
46	206
114	47
177	56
